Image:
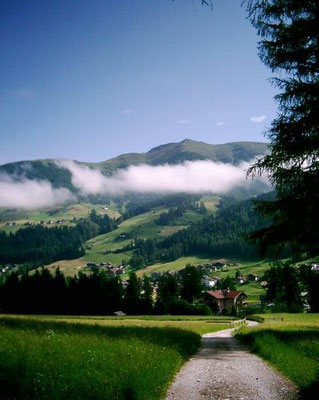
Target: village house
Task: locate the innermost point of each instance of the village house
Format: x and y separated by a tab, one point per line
8	267
219	265
253	277
222	301
208	282
240	279
231	264
109	268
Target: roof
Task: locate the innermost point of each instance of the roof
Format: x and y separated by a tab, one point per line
224	294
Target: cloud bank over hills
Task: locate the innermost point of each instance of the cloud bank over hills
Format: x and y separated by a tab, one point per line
187	177
188	167
31	194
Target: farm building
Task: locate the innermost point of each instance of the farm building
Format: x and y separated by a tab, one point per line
253	277
208	282
224	300
241	279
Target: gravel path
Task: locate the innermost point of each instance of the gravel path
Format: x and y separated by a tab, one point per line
224	369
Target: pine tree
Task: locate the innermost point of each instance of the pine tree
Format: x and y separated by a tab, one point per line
133	295
289	46
191	284
147	296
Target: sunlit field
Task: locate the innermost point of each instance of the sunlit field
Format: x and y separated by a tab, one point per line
290	342
95	358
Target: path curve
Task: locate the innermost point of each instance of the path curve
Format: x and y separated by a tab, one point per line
224	369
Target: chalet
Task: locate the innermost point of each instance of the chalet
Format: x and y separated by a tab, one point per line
224	300
253	277
240	279
208	282
315	267
119	313
8	267
120	270
218	265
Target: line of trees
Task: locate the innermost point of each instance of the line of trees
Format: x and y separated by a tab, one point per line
104	222
171	217
41	245
142	204
286	284
99	294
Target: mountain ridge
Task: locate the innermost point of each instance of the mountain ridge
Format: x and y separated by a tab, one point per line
169	153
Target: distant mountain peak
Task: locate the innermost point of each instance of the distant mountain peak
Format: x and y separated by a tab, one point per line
169	153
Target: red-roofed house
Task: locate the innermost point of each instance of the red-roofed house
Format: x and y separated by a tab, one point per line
225	300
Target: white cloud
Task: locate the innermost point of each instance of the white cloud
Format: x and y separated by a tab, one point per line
31	194
190	176
128	111
183	121
220	123
86	179
258	118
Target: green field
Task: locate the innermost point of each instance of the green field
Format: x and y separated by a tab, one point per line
142	226
76	210
101	248
92	358
291	345
211	202
175	265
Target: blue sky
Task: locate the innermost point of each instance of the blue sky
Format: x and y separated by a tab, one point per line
91	79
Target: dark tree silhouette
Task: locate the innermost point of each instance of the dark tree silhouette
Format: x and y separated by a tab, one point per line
289	46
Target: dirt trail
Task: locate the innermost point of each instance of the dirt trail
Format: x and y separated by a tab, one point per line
224	369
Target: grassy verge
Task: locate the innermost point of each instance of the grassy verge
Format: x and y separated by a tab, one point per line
87	358
291	345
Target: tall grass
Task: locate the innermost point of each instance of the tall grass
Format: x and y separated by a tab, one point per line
291	345
43	358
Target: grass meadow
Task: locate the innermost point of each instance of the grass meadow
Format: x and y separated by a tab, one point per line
291	345
95	358
74	210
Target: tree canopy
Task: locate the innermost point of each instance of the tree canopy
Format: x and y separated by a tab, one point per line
289	47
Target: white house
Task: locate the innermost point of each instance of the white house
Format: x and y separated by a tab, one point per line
208	282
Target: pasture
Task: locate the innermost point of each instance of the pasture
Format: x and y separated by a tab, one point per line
95	358
66	213
291	345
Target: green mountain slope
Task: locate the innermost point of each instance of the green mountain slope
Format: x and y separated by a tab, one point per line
171	153
187	150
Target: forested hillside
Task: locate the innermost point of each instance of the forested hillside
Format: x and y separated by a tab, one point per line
40	245
217	236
